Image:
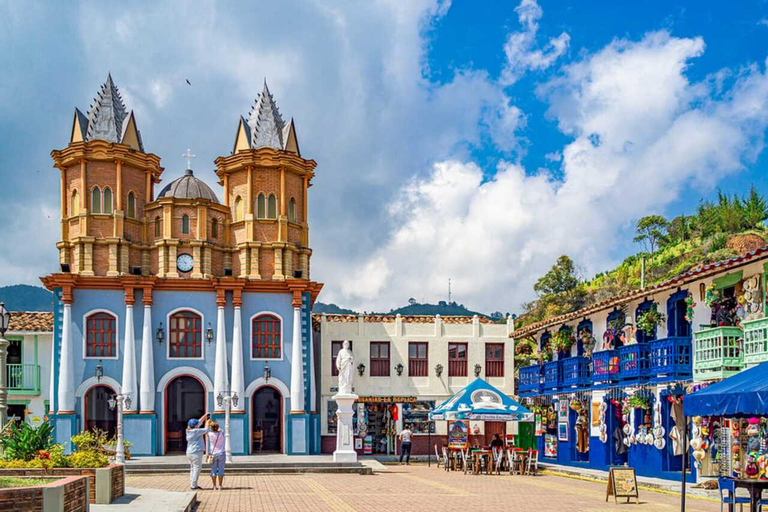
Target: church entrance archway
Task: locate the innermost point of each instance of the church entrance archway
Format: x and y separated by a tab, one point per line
98	415
184	400
267	418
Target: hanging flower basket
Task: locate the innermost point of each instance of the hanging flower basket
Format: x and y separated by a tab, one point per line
650	319
562	340
588	340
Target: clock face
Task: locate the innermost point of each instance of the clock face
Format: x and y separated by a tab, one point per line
185	262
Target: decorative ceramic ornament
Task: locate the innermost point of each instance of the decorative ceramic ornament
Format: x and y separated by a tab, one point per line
603	428
627	429
696	443
660	443
659	432
603	437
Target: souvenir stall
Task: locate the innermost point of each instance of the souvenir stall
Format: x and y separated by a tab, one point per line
729	426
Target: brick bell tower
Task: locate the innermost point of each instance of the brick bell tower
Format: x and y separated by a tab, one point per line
265	182
106	180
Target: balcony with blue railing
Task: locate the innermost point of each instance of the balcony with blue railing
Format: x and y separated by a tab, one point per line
605	368
755	341
23	379
553	375
671	359
576	372
529	380
634	362
718	352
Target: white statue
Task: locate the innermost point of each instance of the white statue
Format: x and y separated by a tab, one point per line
345	363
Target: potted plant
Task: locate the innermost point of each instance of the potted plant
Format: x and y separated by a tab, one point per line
588	340
562	340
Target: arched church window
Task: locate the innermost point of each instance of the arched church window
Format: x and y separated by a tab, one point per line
292	210
265	341
272	207
75	204
185	224
106	203
100	335
95	200
185	332
261	207
238	209
131	205
214	228
158	227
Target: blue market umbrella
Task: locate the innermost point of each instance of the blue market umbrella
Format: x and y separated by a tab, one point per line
479	401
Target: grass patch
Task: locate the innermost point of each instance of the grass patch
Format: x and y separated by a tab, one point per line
8	482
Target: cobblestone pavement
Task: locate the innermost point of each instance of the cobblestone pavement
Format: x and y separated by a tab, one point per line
409	488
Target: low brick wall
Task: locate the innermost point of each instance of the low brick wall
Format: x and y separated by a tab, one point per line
67	494
113	489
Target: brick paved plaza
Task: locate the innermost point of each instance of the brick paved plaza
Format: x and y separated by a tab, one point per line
409	488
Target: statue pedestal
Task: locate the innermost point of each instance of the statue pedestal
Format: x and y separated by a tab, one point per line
345	433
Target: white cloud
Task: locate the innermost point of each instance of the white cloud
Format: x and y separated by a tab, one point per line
642	134
520	48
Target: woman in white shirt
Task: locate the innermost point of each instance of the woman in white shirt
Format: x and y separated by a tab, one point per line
217	454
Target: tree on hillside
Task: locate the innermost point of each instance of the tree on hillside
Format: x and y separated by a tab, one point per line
651	231
679	230
561	278
755	209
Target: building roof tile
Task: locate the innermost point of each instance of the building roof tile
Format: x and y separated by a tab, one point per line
31	321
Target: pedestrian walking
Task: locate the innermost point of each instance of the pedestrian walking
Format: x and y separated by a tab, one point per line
196	448
216	453
405	445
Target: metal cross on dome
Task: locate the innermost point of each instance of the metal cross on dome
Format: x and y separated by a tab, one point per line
189	156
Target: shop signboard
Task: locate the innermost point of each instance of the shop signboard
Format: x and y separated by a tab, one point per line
386	399
458	431
550	446
622	483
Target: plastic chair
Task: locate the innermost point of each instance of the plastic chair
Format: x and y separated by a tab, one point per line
468	462
440	460
446	460
533	461
515	462
727	488
498	459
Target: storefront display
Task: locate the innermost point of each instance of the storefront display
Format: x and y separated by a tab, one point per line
550	446
458	432
416	414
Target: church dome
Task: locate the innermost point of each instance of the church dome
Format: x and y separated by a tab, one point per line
188	187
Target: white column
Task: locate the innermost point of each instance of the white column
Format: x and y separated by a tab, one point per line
51	383
129	361
220	383
297	362
238	378
147	382
312	383
66	377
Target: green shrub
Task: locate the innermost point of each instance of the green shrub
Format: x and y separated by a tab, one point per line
87	459
22	441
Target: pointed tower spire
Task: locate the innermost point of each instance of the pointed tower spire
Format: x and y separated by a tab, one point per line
265	122
106	117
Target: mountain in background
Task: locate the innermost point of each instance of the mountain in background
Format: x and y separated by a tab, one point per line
442	308
331	309
23	297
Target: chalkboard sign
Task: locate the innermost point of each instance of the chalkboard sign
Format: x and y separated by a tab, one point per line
622	483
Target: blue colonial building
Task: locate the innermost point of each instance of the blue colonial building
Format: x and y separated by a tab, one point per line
179	300
610	387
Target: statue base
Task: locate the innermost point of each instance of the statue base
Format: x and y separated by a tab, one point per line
345	432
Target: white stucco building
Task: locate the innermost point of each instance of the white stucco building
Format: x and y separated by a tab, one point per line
405	366
29	364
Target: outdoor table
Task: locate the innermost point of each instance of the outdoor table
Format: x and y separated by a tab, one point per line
476	454
755	488
523	456
454	457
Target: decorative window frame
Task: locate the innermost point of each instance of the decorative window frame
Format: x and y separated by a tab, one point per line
282	336
85	334
128	215
95	189
111	201
167	328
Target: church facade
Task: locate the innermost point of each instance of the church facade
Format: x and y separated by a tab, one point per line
177	299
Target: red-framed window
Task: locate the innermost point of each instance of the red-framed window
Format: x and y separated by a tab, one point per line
100	335
186	334
418	359
457	359
265	341
494	359
335	348
379	359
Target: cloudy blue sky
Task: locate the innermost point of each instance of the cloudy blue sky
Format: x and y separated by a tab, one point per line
475	141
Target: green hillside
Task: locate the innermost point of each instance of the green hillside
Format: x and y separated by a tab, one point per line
23	297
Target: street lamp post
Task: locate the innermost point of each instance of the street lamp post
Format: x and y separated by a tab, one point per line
5	319
227	399
120	401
